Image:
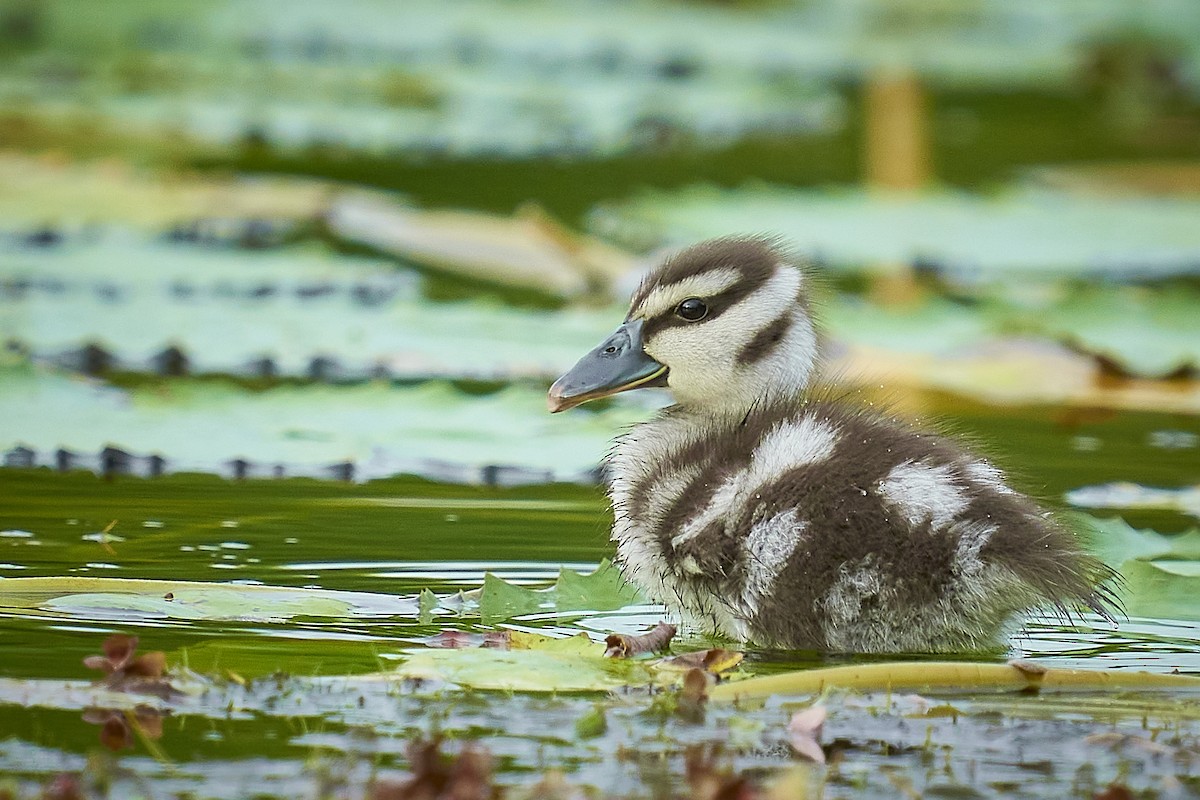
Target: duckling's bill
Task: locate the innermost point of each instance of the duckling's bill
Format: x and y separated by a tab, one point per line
617	364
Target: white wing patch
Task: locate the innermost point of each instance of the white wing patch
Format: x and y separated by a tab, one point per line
923	493
768	547
972	538
718	506
843	602
989	476
792	444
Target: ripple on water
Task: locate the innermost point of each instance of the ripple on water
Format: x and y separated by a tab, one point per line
1136	643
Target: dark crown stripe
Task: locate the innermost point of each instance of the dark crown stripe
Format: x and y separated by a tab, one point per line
765	341
748	255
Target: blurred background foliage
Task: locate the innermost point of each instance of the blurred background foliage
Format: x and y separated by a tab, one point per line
201	198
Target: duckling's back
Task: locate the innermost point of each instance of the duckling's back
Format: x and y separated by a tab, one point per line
822	525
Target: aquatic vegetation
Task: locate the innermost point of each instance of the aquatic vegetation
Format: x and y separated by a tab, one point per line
1014	236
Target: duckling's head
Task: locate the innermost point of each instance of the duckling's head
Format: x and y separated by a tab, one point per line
724	324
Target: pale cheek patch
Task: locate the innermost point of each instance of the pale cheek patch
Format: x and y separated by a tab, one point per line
665	298
922	493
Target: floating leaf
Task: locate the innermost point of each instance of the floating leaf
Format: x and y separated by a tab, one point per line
1162	589
500	600
714	661
1116	542
119	599
969	235
539	669
1158	571
427	603
1124	494
34	190
601	590
1143	331
379	429
577	645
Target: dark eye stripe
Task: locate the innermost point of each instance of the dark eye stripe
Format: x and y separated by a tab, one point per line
718	304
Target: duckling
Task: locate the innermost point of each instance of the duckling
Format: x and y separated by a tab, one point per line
763	508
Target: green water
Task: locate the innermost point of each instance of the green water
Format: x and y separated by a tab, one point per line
403	535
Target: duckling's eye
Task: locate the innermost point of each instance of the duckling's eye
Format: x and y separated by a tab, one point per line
692	309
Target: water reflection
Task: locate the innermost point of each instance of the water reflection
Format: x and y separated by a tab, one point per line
1136	643
118	728
466	573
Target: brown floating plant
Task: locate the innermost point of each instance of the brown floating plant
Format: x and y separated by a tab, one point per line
709	780
118	727
713	661
126	672
620	645
467	776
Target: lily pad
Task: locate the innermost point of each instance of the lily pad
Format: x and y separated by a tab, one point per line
119	600
1027	232
601	590
273	313
431	429
1115	541
1146	332
541	664
1131	495
1160	572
